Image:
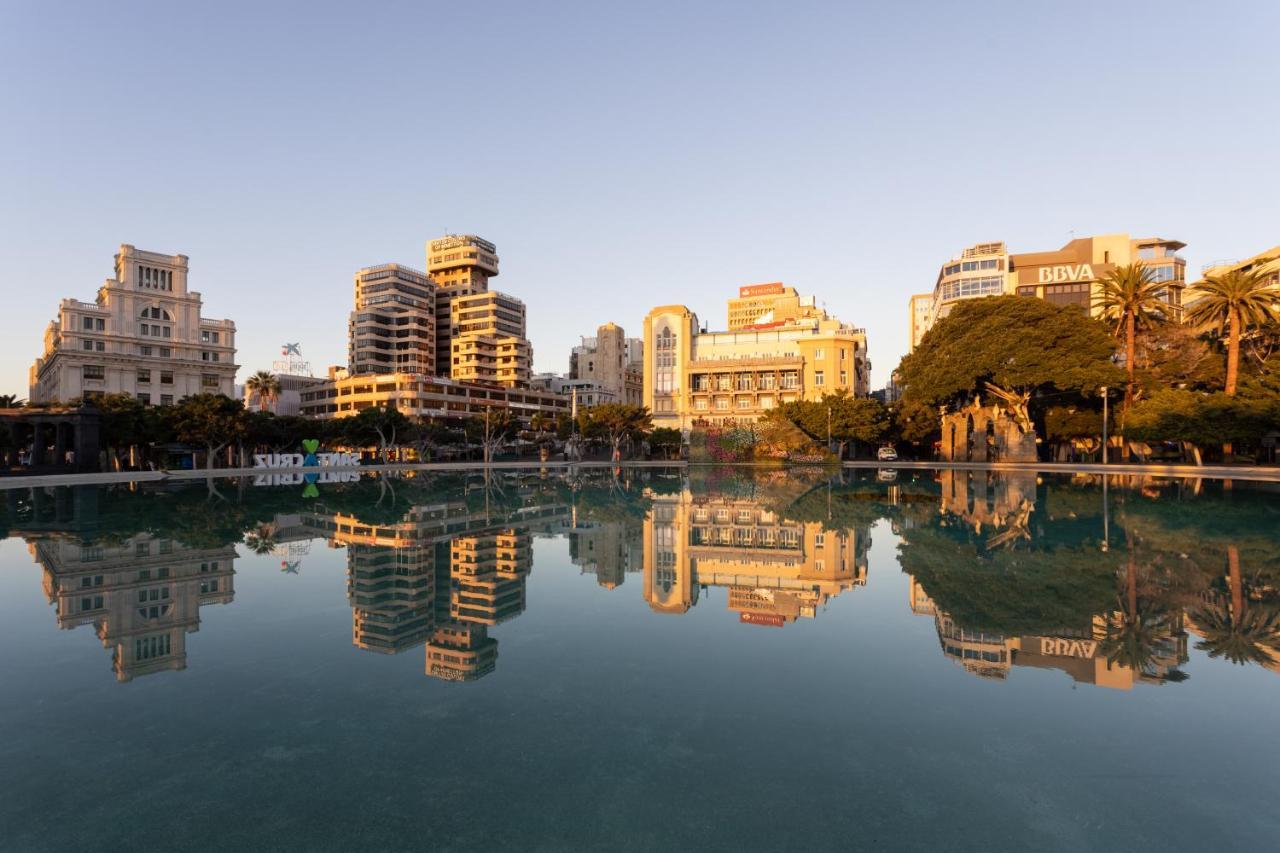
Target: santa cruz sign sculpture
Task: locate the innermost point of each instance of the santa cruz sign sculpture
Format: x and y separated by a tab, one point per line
309	459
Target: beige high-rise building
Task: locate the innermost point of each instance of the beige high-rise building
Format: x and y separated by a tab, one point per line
723	377
143	336
1266	263
612	364
392	329
921	306
1071	275
459	265
488	339
763	304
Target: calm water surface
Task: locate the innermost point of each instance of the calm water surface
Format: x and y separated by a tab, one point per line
642	661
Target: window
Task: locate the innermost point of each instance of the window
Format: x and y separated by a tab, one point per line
144	376
819	353
1067	294
99	325
144	350
166	399
701	404
208	356
208	337
166	377
744	402
88	345
144	399
209	380
1146	252
819	379
844	377
88	324
94	371
722	403
165	352
766	401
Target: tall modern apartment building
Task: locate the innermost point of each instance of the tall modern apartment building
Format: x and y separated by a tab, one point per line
488	339
143	336
393	327
459	265
1071	275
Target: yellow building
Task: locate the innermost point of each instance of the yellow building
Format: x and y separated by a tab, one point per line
774	570
1071	275
721	377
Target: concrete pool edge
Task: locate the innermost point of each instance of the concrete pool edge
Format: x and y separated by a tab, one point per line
1222	472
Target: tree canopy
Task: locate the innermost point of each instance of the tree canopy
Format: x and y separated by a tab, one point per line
1014	342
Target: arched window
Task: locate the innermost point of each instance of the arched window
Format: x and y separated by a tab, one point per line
156	313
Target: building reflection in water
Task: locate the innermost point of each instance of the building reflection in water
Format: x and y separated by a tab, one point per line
774	570
999	506
1014	573
141	594
438	577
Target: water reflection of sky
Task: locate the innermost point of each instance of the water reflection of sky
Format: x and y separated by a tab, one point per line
1002	660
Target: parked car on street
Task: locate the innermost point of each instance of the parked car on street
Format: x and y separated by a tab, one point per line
887	454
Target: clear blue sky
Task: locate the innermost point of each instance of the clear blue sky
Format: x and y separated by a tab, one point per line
620	156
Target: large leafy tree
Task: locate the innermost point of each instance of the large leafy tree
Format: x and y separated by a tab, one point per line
1014	342
211	421
492	430
617	423
380	426
1131	298
1230	304
846	419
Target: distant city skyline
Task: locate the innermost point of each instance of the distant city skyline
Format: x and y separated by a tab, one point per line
619	158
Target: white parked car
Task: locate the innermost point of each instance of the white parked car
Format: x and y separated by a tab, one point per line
887	454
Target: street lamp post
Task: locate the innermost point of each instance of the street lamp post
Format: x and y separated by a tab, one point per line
1104	424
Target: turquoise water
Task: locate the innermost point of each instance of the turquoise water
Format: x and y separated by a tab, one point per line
647	661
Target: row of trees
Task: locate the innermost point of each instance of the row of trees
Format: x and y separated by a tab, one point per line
1209	381
135	435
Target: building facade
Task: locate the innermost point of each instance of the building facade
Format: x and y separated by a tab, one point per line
343	395
143	336
459	265
1071	275
692	375
769	303
392	329
1267	263
488	340
610	366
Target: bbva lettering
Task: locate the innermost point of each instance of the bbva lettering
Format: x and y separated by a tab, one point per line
1068	648
1066	272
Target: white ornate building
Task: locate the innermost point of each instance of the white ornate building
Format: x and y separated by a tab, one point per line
142	336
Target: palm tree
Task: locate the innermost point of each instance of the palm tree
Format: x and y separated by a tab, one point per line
1132	298
11	401
262	539
1237	632
264	385
1233	301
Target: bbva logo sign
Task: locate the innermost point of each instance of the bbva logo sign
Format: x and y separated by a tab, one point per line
1066	272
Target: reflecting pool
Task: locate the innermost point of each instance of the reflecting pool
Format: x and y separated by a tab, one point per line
641	660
